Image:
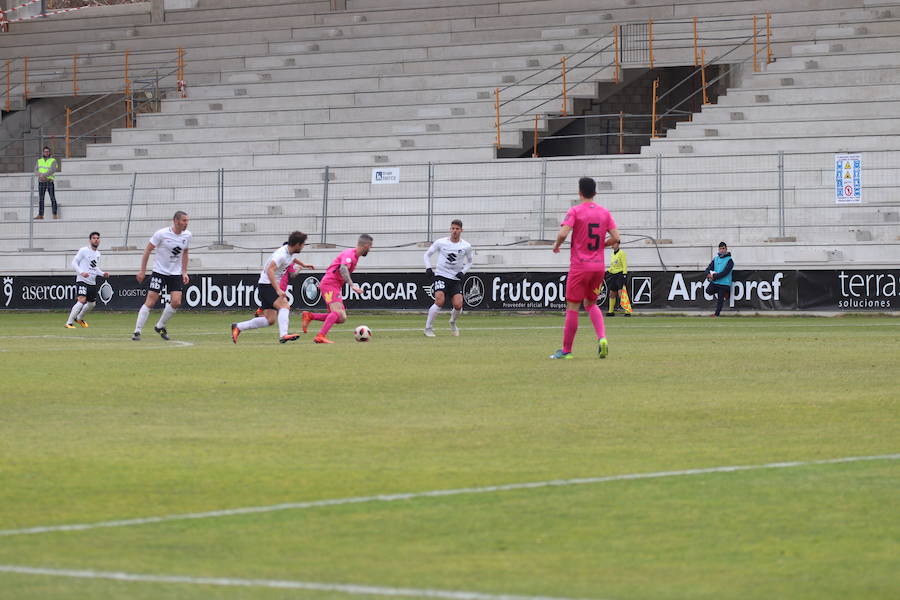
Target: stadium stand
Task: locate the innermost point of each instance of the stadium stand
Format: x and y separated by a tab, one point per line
278	91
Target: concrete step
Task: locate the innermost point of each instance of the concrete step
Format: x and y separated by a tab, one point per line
762	113
299	146
810	95
812	127
823	78
288	161
416	100
837	144
177	129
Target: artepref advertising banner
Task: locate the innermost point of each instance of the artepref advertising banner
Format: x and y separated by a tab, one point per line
831	290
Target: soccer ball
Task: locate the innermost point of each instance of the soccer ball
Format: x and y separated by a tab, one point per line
362	333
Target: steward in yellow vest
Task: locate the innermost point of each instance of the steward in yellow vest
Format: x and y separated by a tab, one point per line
45	169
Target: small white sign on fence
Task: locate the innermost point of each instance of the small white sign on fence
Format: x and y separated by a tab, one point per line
848	178
390	175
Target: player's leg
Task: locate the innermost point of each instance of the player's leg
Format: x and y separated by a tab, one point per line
336	314
266	315
42	191
75	313
284	316
88	306
455	312
594	283
574	296
51	187
167	313
719	292
435	308
144	312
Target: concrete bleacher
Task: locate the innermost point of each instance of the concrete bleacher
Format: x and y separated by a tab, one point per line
285	88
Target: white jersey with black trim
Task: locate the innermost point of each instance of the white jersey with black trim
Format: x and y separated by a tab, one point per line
87	261
282	259
170	247
453	257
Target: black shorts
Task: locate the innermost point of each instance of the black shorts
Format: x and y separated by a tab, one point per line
172	283
88	290
615	281
450	287
267	296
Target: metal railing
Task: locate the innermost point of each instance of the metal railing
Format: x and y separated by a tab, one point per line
632	45
744	198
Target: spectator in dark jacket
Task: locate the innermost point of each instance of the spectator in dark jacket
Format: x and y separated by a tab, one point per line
719	275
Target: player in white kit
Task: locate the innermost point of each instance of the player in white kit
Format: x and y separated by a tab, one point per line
87	267
454	261
169	272
272	298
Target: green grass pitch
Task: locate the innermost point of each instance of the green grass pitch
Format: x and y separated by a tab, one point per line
95	427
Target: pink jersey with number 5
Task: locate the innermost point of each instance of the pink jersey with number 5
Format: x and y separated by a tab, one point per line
589	222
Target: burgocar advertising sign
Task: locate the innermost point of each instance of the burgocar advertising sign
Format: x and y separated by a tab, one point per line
833	290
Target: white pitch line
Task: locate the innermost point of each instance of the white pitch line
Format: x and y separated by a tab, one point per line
344	588
229	512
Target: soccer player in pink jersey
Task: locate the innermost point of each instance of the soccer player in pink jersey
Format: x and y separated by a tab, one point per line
335	277
590	224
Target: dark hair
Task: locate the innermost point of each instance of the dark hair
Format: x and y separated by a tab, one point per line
722	244
587	187
47	148
178	214
456	222
93	233
365	239
296	237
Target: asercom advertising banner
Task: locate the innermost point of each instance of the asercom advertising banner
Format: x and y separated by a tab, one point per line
833	290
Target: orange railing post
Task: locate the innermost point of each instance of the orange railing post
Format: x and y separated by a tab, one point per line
497	110
653	113
703	75
650	40
768	38
68	132
621	132
534	153
755	32
616	50
127	95
8	85
696	45
26	79
565	96
74	76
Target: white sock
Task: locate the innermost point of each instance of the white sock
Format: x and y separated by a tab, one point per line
432	313
88	307
454	314
167	314
143	314
284	316
76	310
254	323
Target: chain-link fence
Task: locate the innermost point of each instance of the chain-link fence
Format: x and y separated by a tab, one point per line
744	198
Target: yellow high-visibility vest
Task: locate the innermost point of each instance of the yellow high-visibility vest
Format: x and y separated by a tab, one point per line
45	165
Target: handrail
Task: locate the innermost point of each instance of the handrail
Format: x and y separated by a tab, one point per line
700	58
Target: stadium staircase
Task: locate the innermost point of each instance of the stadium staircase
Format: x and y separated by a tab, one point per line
279	90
